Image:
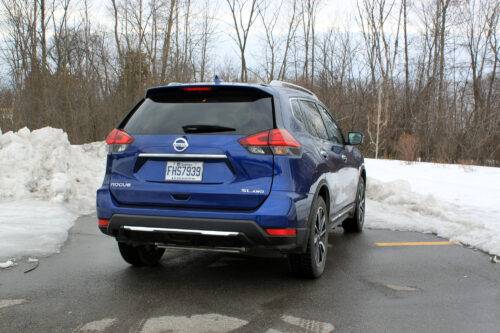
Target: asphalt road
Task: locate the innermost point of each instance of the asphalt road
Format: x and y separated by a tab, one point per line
365	288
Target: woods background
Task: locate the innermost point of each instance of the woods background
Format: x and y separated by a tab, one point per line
418	77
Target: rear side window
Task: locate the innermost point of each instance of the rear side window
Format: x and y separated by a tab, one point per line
232	111
331	127
314	119
299	115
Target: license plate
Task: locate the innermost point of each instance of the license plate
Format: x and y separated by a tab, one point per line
184	171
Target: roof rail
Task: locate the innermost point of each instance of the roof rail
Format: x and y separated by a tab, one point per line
276	83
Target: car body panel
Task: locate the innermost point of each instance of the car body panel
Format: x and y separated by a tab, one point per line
272	191
236	180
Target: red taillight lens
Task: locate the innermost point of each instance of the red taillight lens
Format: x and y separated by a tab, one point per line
257	139
281	137
281	232
277	141
190	89
118	140
103	223
119	137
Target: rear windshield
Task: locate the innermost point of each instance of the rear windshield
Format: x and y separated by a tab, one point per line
220	111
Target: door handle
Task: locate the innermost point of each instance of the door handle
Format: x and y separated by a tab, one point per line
344	157
324	154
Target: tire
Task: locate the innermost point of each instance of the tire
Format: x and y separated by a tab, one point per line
311	264
355	223
141	255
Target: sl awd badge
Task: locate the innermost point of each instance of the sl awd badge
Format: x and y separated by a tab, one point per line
180	144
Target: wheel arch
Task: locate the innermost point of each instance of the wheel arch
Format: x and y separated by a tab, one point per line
323	191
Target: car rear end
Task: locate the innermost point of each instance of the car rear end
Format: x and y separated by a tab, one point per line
192	166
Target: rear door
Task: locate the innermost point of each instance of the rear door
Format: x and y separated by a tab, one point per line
332	159
347	174
186	154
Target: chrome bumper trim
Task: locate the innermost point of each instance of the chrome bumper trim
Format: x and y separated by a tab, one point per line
184	231
188	156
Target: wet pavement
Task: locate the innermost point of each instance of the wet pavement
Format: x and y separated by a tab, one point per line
365	288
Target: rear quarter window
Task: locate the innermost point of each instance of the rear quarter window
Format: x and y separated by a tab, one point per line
313	119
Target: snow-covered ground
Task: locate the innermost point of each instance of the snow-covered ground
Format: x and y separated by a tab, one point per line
461	203
46	183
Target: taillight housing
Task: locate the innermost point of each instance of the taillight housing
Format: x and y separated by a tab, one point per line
118	140
277	141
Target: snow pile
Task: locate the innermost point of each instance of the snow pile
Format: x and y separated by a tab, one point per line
43	165
45	183
33	228
7	264
456	202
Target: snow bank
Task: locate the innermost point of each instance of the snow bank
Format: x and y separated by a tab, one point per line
455	202
43	165
33	228
45	183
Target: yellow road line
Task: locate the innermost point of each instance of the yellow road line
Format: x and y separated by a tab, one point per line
414	243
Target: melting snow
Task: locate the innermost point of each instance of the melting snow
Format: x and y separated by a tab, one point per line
460	203
46	184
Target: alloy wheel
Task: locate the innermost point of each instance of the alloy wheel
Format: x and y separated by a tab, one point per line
361	204
320	236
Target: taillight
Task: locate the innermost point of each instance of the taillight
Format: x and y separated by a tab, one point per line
276	141
118	140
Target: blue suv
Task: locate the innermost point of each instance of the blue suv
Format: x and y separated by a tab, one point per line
231	168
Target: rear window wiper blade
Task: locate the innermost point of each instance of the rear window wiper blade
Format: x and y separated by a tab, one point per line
206	129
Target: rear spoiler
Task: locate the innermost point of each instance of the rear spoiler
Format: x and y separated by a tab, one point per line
179	88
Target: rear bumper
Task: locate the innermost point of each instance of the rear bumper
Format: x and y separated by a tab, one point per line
209	229
198	233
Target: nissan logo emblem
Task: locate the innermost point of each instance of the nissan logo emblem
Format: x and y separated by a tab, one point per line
180	144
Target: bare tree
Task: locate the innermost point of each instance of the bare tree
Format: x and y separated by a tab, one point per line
167	39
481	21
381	55
308	22
207	36
242	25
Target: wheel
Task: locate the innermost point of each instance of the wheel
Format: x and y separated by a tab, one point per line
141	255
355	223
311	264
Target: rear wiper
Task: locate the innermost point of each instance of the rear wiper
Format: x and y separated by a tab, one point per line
206	129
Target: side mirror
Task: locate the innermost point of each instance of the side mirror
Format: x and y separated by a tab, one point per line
355	138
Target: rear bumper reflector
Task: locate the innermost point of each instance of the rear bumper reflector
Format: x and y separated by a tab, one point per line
103	223
282	232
